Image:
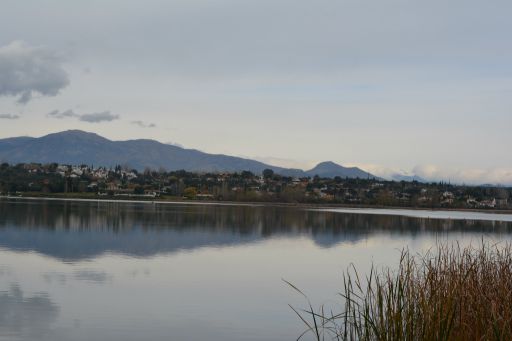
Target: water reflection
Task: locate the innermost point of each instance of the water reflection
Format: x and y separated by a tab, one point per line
25	317
85	275
79	230
114	271
98	277
53	277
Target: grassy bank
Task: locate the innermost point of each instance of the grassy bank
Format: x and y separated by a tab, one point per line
449	293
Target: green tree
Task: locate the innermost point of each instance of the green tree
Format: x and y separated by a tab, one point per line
268	173
190	193
138	190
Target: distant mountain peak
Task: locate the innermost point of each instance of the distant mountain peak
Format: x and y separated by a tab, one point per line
76	133
331	169
331	165
82	147
327	164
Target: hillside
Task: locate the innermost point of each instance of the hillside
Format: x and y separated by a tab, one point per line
79	147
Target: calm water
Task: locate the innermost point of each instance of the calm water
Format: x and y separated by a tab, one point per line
135	271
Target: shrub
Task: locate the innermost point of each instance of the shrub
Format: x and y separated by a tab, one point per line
450	293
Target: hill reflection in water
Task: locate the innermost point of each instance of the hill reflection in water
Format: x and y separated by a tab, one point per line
71	231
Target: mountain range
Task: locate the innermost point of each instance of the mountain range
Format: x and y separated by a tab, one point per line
79	147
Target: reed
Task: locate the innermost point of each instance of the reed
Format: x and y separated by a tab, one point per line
448	293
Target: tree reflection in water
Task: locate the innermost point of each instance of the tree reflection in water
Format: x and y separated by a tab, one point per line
76	230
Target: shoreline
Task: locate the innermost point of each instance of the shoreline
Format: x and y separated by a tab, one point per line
255	203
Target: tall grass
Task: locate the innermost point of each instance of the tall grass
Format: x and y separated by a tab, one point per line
448	293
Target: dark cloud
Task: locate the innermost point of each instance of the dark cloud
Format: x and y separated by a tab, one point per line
25	70
143	124
9	117
98	117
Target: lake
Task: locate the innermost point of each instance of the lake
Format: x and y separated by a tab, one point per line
72	270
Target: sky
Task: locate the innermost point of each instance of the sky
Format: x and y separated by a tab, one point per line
421	87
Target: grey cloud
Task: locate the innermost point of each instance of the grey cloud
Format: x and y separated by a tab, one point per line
63	114
244	63
25	97
98	117
104	116
9	117
144	124
298	36
25	70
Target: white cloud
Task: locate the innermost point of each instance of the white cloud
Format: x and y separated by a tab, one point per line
176	144
25	70
430	172
469	176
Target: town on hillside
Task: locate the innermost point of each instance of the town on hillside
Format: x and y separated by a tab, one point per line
120	182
